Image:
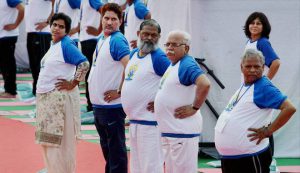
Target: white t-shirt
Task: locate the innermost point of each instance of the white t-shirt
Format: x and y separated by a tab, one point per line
8	15
250	107
59	62
37	11
107	70
142	76
90	16
177	88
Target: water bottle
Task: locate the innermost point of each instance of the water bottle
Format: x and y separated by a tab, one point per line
273	166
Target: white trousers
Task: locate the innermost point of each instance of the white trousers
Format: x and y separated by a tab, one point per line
145	149
62	159
180	154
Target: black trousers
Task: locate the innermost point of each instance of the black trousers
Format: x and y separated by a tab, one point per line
37	46
8	65
252	164
88	47
110	126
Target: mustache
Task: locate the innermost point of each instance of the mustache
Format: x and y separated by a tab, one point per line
170	52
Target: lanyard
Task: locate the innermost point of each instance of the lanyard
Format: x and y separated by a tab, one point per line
57	6
237	97
98	47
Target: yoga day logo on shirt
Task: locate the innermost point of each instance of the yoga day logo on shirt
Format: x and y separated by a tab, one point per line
164	78
131	71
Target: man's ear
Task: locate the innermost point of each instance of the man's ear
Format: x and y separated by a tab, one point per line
187	49
138	33
121	21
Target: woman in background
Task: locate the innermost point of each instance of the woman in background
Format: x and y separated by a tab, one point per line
257	28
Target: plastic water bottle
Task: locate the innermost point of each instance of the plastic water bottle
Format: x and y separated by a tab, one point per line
273	166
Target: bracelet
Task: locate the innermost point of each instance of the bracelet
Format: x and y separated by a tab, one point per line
195	108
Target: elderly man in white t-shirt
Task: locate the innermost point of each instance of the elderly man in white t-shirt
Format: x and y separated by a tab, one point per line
182	91
143	72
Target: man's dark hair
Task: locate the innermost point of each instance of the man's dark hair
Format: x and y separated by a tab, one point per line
63	17
265	23
150	22
112	7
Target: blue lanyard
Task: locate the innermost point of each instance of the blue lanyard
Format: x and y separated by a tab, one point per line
57	6
98	47
237	97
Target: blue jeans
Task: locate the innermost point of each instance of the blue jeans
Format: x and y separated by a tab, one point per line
110	126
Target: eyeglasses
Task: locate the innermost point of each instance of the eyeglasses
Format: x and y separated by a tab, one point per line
174	44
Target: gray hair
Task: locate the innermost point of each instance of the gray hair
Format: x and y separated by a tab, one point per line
252	53
186	36
150	22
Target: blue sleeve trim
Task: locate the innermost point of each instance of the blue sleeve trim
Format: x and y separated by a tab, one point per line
71	53
160	62
119	46
265	47
133	52
96	4
266	95
140	9
13	3
189	71
74	4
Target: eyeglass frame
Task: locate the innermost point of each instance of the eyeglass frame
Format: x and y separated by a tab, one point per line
174	44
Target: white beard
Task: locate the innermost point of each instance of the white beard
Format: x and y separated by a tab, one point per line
145	47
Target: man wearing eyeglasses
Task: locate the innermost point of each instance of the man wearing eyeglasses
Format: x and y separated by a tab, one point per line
143	72
182	90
